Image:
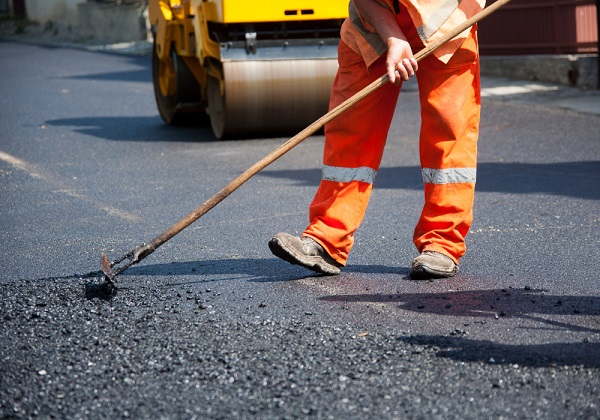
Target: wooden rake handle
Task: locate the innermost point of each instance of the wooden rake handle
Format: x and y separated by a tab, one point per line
136	255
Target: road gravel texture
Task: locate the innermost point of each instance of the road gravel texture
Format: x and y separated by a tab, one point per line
76	348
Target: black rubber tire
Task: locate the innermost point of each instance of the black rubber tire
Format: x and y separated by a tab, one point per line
216	107
187	90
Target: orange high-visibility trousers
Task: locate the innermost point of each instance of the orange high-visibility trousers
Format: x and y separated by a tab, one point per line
354	143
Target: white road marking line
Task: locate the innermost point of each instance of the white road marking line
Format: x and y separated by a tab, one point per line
33	172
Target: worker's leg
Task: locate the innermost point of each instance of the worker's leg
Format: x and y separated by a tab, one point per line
450	107
354	143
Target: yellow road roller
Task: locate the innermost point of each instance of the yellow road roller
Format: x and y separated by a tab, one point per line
253	67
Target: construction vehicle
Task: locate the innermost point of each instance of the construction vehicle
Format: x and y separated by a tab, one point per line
253	67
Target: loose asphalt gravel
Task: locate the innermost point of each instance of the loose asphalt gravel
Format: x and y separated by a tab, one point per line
146	352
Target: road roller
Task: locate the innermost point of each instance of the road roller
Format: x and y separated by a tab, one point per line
250	67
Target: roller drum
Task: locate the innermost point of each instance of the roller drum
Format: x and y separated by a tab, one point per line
263	97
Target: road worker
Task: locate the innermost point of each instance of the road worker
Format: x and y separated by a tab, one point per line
380	36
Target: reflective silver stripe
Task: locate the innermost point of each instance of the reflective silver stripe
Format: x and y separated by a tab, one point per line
437	19
372	38
449	176
340	174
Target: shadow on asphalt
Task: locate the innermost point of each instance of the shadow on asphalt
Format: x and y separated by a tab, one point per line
572	179
256	270
248	269
514	303
532	355
533	305
195	127
137	128
142	75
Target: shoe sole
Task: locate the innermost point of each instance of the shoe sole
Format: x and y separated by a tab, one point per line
424	272
318	264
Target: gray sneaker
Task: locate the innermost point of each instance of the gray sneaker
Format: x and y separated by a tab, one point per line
432	265
303	251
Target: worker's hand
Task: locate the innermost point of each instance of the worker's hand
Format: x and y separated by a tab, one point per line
400	63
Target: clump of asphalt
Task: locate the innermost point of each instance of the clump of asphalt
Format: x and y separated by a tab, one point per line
78	348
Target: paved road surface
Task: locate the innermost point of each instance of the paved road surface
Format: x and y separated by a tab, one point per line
212	326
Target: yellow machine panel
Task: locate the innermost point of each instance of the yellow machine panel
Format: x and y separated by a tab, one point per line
287	10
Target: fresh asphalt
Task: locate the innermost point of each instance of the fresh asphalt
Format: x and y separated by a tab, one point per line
213	326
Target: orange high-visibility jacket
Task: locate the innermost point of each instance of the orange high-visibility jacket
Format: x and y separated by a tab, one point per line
432	18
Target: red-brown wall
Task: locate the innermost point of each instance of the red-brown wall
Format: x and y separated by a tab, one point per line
541	27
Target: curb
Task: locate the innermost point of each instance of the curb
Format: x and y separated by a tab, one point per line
569	70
